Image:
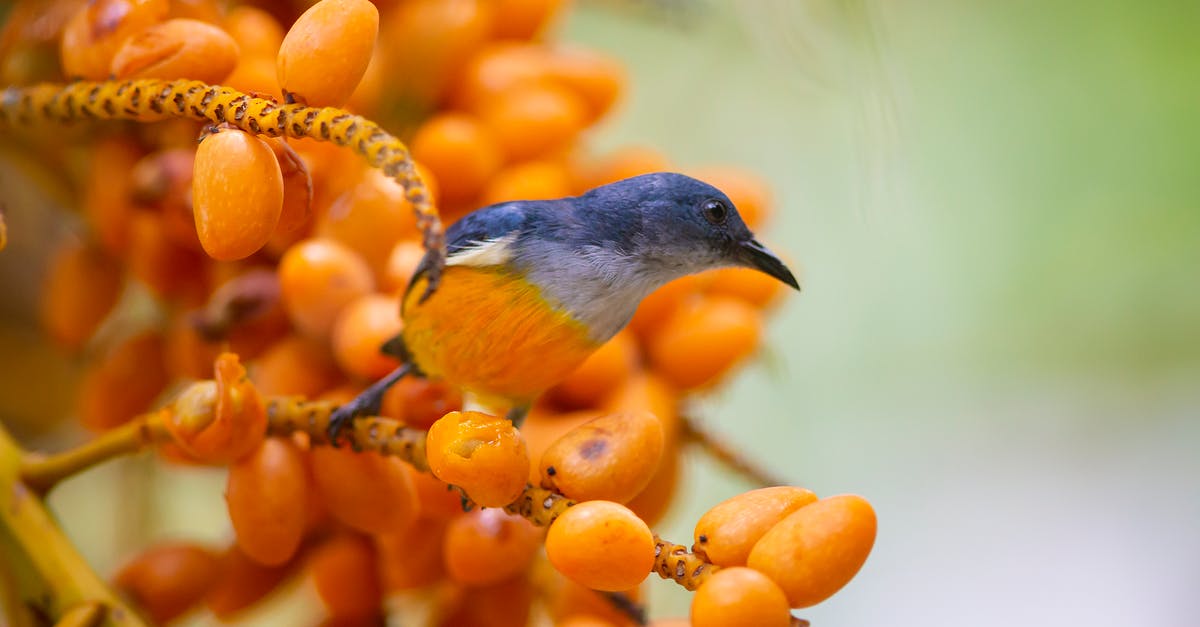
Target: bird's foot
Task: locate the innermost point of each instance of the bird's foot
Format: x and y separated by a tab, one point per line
367	403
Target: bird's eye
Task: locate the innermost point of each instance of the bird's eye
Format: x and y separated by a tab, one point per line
715	211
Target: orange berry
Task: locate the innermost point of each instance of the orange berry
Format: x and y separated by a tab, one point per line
360	330
401	264
255	31
623	163
168	579
655	500
412	559
542	429
601	545
188	354
420	402
368	492
297	188
427	42
738	596
317	278
817	549
611	458
524	19
654	310
107	191
571	601
370	218
123	383
237	194
97	29
745	284
347	580
460	151
295	366
596	77
168	269
162	181
727	532
81	288
645	391
496	68
749	192
254	75
305	65
484	455
266	494
535	119
203	10
506	604
704	340
219	421
583	620
601	374
438	500
488	546
242	583
178	48
532	180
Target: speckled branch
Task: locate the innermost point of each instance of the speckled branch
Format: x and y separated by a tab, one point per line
149	100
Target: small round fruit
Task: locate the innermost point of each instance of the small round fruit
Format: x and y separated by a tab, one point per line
237	194
266	494
484	455
611	458
817	549
601	545
318	277
488	546
738	596
727	532
306	63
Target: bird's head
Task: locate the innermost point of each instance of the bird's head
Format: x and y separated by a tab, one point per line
679	225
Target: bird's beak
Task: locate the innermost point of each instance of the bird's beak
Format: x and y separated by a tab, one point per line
757	256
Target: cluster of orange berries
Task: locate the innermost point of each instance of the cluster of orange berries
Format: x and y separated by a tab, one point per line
291	254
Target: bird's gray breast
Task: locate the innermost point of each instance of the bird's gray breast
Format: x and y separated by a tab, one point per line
597	285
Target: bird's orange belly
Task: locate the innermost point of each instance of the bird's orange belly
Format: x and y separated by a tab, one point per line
491	333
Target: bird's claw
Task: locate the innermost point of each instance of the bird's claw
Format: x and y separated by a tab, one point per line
344	416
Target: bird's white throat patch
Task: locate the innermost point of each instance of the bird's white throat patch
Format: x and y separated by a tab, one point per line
492	252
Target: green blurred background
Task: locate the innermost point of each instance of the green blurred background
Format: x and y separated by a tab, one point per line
997	206
997	211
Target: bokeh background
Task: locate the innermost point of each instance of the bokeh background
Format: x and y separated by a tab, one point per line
997	208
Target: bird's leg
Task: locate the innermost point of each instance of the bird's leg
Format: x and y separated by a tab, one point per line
517	414
366	403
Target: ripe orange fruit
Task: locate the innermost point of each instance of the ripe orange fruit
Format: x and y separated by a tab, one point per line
817	549
611	457
484	455
601	545
727	532
266	494
306	67
738	596
237	194
317	278
177	48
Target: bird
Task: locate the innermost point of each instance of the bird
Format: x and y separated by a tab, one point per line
531	288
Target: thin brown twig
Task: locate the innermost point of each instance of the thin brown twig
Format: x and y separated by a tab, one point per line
725	454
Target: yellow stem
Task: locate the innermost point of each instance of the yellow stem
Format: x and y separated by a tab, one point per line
41	473
675	562
88	614
68	579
